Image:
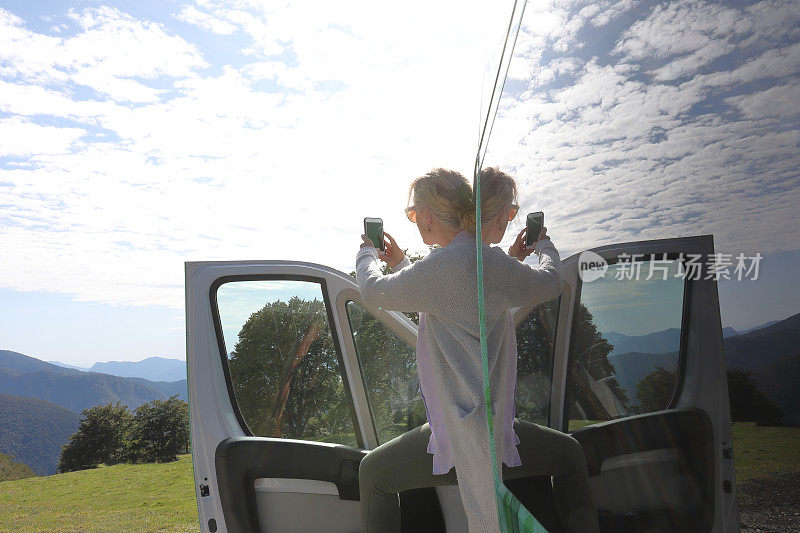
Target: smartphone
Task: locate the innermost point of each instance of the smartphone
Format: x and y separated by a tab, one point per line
535	224
373	227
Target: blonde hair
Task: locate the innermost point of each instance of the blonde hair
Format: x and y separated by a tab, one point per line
498	190
448	196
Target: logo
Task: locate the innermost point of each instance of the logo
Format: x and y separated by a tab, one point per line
591	266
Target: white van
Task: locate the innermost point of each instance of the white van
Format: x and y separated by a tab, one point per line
292	380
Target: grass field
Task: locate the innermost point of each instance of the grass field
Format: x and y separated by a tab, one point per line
149	497
160	497
760	452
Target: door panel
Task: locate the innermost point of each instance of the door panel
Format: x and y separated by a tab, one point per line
661	466
257	495
640	381
260	337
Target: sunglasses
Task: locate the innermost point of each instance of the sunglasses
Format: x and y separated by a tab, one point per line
513	212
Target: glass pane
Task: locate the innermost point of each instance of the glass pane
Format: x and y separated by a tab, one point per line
389	370
625	348
284	368
536	336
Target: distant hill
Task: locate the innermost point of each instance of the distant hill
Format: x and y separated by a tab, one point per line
152	368
667	340
33	431
24	363
169	388
77	392
662	341
760	348
781	383
762	326
22	375
729	332
65	365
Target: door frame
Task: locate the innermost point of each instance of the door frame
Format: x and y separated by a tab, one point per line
210	388
702	380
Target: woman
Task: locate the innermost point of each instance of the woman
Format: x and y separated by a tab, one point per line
442	288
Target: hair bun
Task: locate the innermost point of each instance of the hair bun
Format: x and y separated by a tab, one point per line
467	220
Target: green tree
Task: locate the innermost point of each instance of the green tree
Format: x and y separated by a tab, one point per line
159	431
286	376
748	402
654	391
11	470
101	438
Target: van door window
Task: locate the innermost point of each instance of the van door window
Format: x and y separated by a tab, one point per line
284	365
536	335
626	339
389	371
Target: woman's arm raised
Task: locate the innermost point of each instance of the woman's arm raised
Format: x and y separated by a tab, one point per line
405	290
528	285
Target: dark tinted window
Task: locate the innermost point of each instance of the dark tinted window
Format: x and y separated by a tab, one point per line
625	342
535	345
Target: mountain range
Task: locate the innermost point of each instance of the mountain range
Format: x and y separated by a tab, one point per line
771	351
40	404
152	368
664	341
33	431
22	375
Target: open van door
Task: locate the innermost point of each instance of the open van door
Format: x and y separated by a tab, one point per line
639	379
291	379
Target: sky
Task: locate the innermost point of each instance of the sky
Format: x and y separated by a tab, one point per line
135	136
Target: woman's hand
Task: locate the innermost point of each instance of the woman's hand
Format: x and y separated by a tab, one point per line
518	249
392	254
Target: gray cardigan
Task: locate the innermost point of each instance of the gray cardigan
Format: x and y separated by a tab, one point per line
444	286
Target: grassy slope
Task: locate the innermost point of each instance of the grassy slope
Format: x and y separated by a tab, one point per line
160	497
761	452
150	497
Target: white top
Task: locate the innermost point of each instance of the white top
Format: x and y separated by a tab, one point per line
443	287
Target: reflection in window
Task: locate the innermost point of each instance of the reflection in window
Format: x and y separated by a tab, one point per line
389	371
535	344
284	367
625	345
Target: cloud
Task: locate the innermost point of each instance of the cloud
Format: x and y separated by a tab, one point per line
132	149
659	134
191	15
173	158
20	138
609	11
112	50
780	101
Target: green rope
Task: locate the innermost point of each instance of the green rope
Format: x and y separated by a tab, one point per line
512	514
